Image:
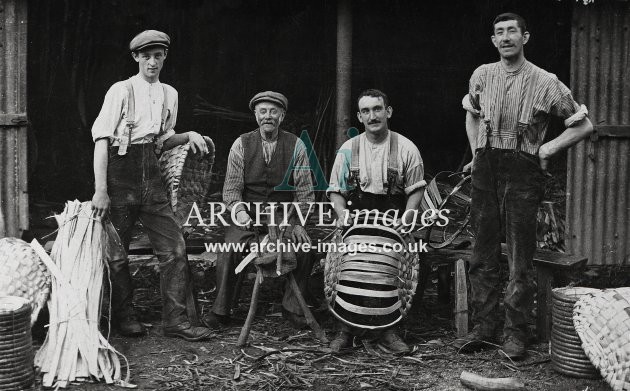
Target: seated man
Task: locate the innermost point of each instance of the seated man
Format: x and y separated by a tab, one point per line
257	164
372	186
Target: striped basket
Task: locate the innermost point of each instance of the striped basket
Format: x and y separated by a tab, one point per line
567	355
23	274
187	177
602	320
372	287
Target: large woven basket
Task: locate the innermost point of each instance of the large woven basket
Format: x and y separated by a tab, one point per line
187	177
23	274
602	320
370	288
567	355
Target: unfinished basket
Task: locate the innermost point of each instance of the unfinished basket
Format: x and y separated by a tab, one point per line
23	274
602	320
187	177
366	285
567	355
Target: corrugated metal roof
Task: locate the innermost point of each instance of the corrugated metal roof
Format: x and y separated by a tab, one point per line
13	154
598	177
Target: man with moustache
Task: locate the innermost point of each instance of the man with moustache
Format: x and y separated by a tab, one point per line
257	164
509	106
135	124
390	177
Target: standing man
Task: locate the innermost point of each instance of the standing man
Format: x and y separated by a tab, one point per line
509	106
135	124
257	164
376	185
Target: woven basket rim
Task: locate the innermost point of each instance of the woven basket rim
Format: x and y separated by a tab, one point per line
572	293
13	304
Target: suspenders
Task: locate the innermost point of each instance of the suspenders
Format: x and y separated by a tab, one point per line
392	163
526	112
125	140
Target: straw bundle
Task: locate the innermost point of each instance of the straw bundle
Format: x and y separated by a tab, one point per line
602	320
74	348
22	274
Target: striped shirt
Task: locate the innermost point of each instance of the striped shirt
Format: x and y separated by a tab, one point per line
234	176
497	95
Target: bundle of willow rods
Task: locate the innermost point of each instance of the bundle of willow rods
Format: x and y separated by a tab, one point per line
74	349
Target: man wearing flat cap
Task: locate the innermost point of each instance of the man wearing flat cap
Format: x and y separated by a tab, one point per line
135	124
257	164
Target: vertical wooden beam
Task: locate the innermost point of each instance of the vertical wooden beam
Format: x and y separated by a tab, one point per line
344	70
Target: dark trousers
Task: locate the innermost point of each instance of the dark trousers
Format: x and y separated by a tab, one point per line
507	189
136	192
226	279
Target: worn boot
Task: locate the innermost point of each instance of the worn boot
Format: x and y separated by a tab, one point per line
391	342
514	348
474	341
123	316
176	283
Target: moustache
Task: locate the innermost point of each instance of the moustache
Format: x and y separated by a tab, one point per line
374	122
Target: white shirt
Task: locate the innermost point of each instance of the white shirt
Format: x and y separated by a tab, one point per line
373	167
149	98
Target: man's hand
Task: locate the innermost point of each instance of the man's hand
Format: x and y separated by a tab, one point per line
101	203
299	235
543	157
243	219
468	167
197	143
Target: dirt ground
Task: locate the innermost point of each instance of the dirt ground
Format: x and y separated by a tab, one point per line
280	357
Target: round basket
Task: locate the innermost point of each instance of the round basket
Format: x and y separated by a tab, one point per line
23	274
602	320
367	283
16	348
187	177
567	355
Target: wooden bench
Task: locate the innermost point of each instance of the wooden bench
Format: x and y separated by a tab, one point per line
550	266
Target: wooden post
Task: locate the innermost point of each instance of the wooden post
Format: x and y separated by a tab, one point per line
543	301
242	339
344	70
461	299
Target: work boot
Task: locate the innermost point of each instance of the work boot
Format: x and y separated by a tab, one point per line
123	316
341	340
128	325
297	321
188	332
216	321
514	348
473	342
392	343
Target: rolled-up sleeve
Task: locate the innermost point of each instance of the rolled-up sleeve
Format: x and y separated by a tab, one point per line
234	182
475	87
111	114
414	171
340	173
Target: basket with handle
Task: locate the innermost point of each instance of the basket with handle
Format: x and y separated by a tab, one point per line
367	284
187	177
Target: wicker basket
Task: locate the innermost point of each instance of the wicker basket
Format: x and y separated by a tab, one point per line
602	320
567	355
372	289
16	348
23	274
187	177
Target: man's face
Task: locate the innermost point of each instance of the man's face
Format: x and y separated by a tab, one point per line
150	62
373	114
509	39
269	116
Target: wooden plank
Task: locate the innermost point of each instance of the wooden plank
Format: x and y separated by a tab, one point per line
151	260
461	299
552	259
543	302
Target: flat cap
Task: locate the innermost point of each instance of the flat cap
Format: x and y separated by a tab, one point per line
149	38
269	96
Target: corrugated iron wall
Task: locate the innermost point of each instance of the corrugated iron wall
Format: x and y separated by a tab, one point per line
13	143
598	177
